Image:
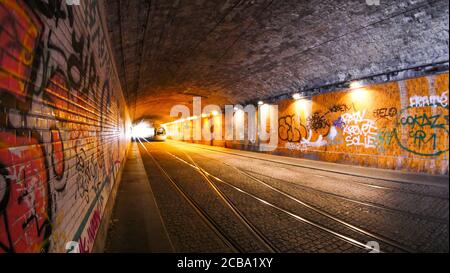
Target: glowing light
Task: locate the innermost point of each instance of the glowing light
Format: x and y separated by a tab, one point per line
204	115
214	113
303	108
356	84
142	130
296	96
264	108
359	94
260	102
239	116
302	104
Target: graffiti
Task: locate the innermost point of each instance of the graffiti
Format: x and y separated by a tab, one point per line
424	120
25	205
18	33
58	160
289	131
92	228
370	128
318	126
55	96
433	100
297	135
421	137
339	123
358	130
338	108
306	143
317	122
385	113
87	179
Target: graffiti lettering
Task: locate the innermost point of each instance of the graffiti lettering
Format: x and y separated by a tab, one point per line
421	133
433	100
358	130
87	177
425	120
55	95
385	113
287	131
338	108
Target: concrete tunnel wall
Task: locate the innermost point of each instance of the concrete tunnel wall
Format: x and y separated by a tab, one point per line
399	125
64	125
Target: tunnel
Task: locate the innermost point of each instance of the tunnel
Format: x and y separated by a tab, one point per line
224	126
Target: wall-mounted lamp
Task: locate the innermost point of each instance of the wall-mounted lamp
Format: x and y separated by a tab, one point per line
296	96
260	102
356	84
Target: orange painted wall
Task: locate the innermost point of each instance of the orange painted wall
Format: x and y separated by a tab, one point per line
372	126
395	125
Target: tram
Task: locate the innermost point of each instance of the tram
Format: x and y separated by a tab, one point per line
160	134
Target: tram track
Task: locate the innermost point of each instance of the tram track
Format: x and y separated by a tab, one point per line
297	217
371	185
208	220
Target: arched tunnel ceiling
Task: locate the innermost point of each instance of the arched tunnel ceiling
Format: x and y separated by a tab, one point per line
232	51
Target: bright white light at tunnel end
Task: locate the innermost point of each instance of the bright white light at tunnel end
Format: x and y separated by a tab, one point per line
142	130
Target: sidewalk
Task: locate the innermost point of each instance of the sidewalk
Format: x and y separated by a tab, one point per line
137	225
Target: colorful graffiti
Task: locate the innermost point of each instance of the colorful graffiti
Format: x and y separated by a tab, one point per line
431	100
26	203
63	137
290	130
421	135
373	130
394	125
